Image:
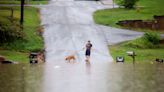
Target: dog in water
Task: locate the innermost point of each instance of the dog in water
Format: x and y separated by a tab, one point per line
69	58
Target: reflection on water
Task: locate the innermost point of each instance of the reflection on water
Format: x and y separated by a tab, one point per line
88	67
20	78
87	77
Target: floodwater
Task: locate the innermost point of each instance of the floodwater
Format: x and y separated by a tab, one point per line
82	77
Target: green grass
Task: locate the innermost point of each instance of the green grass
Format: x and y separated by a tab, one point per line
32	22
148	8
38	2
9	2
6	13
18	2
15	56
143	54
33	40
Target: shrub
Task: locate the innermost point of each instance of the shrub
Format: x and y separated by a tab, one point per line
152	37
129	4
10	32
148	40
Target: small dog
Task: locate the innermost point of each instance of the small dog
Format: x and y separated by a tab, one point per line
69	58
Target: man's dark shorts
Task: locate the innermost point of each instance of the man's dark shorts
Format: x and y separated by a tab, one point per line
88	52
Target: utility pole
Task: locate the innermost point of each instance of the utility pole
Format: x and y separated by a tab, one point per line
22	12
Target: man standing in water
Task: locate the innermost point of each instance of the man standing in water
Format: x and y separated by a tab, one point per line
88	50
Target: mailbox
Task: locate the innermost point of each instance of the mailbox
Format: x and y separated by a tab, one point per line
33	58
119	59
132	54
159	60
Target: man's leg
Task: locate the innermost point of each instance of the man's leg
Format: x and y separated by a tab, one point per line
87	58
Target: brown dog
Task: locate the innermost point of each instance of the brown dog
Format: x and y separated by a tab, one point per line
71	57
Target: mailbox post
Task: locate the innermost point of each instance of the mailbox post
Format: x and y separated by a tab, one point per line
131	54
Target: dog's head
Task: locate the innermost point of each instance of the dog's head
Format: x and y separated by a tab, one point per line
66	58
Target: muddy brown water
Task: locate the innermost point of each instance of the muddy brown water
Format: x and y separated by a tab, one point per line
82	77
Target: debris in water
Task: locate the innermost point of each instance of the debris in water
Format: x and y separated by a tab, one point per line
56	66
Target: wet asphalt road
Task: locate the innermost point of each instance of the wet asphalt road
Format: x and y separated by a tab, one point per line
68	26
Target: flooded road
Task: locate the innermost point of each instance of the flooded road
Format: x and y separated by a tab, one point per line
68	26
82	77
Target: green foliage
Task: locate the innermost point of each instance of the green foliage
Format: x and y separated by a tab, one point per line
139	43
148	40
143	55
16	43
15	56
10	32
26	1
146	11
129	4
12	37
152	37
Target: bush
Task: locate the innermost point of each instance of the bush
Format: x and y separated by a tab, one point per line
148	40
152	37
129	4
10	32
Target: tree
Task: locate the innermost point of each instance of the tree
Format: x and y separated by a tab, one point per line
129	4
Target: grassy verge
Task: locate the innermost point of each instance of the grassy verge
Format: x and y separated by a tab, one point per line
143	54
31	24
18	2
19	50
149	8
15	55
9	2
38	2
